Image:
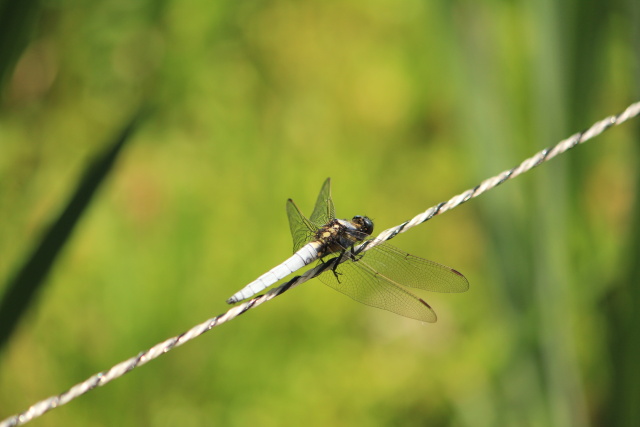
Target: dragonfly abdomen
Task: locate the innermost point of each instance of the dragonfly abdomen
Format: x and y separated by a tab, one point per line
304	256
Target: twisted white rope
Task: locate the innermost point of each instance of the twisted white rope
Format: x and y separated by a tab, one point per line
542	156
143	357
101	378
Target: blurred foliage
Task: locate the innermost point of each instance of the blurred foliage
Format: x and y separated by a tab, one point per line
403	105
31	276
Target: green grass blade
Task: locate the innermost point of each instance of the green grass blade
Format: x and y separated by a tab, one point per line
30	277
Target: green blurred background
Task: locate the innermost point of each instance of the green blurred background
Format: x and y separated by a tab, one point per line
403	104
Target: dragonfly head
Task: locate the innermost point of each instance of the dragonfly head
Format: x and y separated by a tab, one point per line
363	223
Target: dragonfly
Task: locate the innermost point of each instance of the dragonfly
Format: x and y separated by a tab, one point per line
377	277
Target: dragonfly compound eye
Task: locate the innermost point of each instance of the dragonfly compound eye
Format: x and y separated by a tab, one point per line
366	225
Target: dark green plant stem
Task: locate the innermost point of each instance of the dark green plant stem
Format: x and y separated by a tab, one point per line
30	277
16	22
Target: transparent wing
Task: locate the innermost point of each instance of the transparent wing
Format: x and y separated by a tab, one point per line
323	211
301	229
378	277
413	271
360	282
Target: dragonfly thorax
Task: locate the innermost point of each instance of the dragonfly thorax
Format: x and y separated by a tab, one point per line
339	234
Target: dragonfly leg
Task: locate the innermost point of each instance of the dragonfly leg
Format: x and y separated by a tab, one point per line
353	255
335	266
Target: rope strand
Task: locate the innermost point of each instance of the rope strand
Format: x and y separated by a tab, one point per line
542	156
102	378
143	357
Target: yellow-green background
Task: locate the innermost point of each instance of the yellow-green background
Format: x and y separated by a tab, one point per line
404	104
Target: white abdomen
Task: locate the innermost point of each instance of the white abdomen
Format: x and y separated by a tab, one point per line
305	255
